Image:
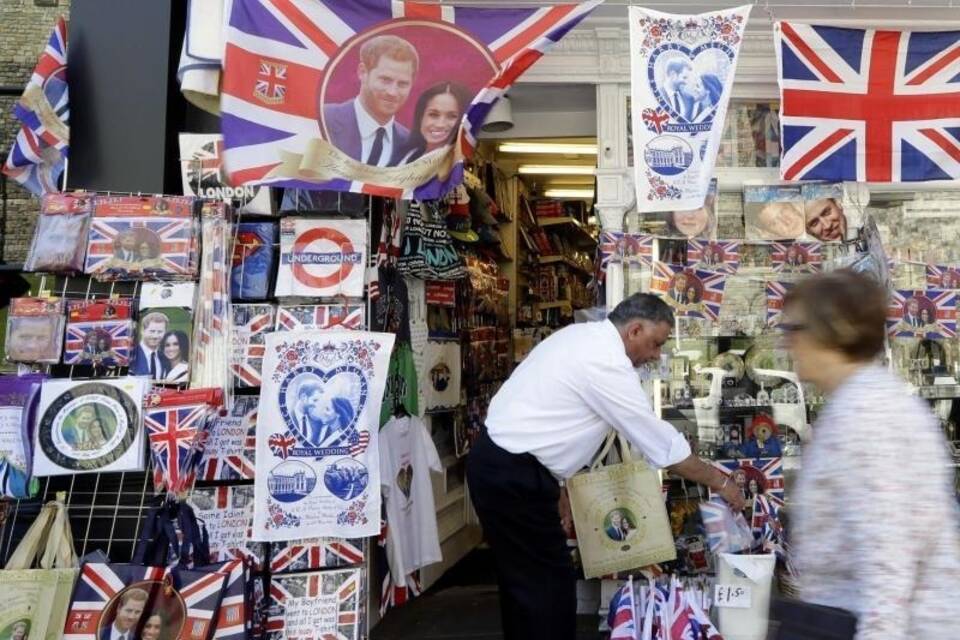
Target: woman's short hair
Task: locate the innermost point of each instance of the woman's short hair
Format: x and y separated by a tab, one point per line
843	310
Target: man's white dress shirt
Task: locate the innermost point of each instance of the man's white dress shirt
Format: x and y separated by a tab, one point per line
562	400
368	133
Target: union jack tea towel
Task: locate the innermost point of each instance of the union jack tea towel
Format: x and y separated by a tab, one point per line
682	70
321	316
867	105
202	171
232	445
293	83
317	458
177	425
251	323
316	553
88	426
319	604
188	601
254	260
99	332
322	258
922	314
143	238
227	514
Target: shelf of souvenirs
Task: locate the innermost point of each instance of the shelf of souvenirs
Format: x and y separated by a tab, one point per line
570	223
568	262
936	391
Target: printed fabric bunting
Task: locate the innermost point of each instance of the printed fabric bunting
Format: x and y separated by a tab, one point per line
177	424
39	152
212	320
300	104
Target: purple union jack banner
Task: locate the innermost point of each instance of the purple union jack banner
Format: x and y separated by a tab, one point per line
868	105
301	77
922	314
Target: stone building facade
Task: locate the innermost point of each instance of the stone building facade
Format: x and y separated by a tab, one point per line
25	26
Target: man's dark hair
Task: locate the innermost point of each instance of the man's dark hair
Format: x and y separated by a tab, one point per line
641	306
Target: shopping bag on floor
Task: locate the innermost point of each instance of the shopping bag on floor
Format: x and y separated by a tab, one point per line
619	514
36	600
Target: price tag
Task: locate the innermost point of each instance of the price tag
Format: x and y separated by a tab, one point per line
734	597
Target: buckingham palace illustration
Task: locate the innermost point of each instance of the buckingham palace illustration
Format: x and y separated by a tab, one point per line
676	157
295	484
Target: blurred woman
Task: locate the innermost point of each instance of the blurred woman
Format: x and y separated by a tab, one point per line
436	118
875	524
175	348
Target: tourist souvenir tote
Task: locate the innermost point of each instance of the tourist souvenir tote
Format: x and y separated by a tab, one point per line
38	599
619	514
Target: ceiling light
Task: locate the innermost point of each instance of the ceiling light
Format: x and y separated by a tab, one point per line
556	170
568	193
560	148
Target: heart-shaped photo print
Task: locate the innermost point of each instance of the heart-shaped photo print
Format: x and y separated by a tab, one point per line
322	407
688	82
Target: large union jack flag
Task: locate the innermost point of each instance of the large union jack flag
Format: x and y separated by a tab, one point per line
195	595
251	322
943	277
290	618
693	293
922	314
868	105
722	256
796	257
776	293
232	446
280	54
315	553
321	316
177	423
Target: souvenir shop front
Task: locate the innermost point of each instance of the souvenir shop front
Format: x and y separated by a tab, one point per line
261	322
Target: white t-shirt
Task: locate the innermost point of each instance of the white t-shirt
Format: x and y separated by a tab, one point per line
562	400
407	454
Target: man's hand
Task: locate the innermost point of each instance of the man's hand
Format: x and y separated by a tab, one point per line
733	496
566	514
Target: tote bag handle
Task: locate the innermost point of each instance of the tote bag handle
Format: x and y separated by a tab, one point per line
48	538
625	452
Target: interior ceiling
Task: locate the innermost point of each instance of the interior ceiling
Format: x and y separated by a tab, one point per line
510	162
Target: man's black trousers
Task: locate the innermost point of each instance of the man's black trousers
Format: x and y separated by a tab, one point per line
517	499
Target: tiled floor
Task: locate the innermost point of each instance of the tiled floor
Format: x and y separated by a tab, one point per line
464	605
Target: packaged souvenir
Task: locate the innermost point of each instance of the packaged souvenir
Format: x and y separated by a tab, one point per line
231	448
210	365
18	411
773	212
60	239
201	168
99	332
143	238
251	322
321	316
320	604
322	258
254	259
89	426
35	330
164	330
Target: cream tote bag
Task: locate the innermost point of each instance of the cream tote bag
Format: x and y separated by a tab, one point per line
619	514
38	599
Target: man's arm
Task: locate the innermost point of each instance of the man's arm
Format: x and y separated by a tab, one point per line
696	470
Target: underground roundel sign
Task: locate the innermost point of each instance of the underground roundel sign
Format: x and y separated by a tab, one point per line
322	258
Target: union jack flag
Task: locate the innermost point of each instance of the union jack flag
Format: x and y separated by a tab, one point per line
776	292
321	316
227	514
340	587
250	324
693	293
315	553
261	124
199	592
37	157
722	256
164	243
796	257
232	445
766	522
282	444
231	620
943	277
767	473
922	314
177	424
619	246
622	618
99	332
868	105
717	520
